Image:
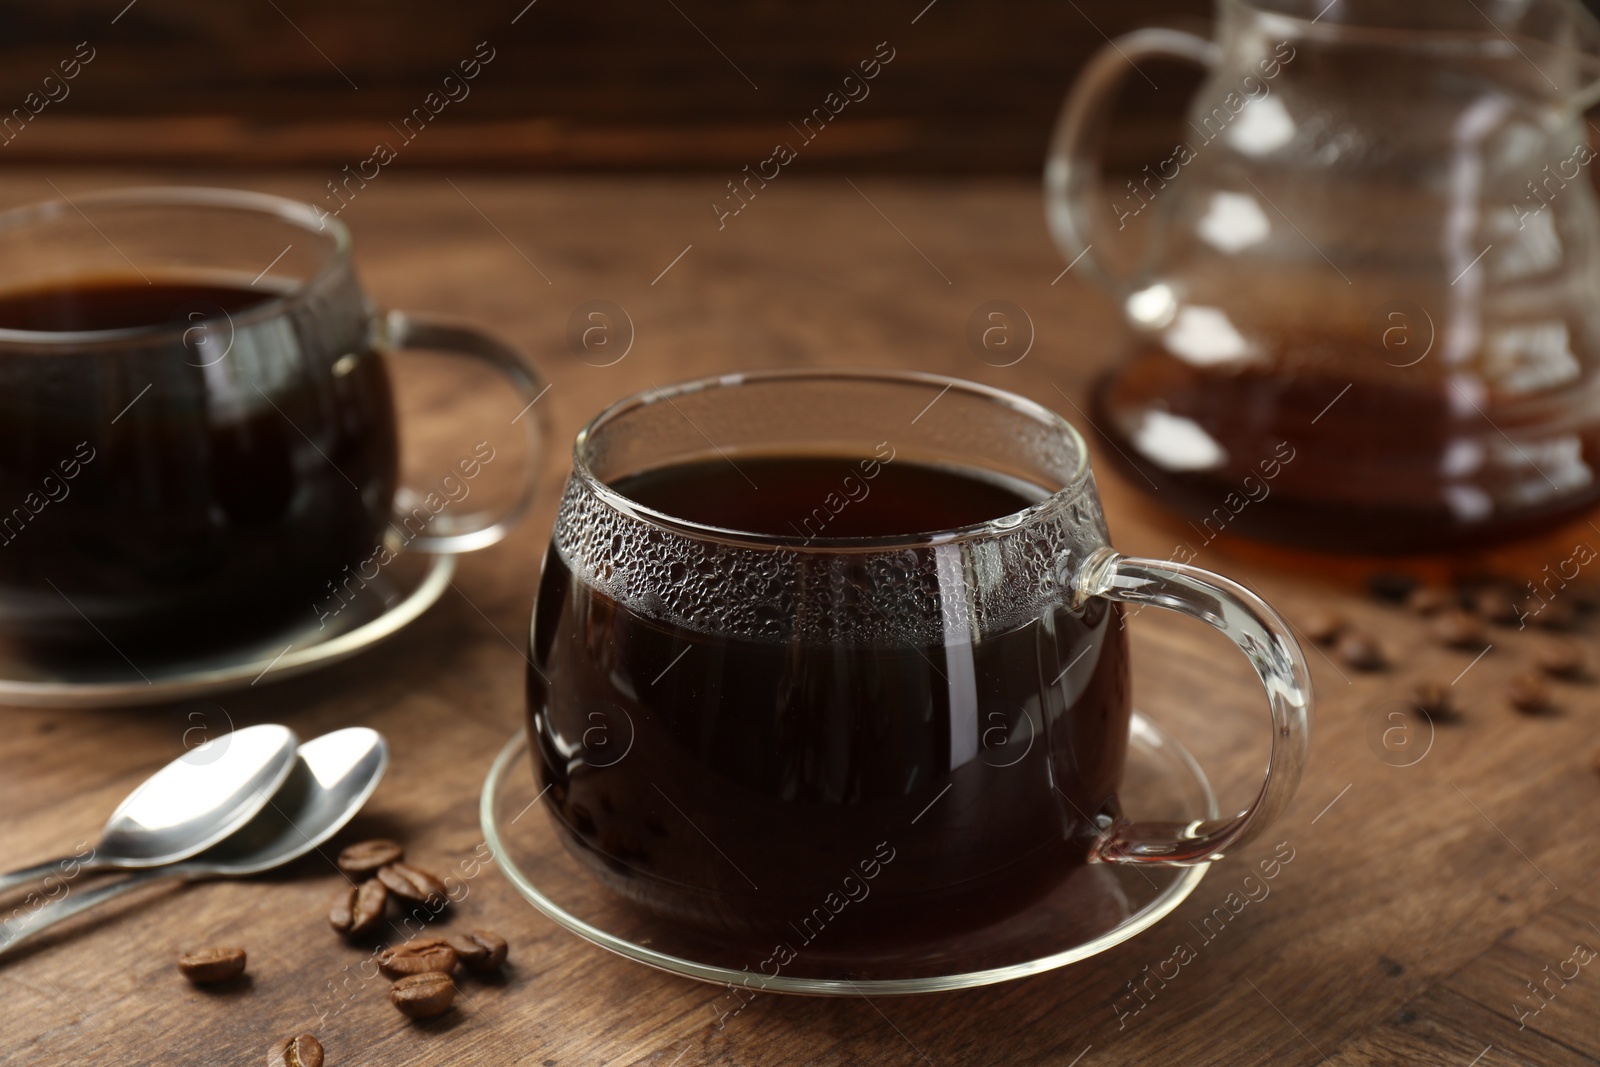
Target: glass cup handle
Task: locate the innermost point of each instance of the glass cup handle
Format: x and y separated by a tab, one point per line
1072	168
1268	644
404	331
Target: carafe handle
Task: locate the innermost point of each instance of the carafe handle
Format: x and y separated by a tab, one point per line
1072	185
1268	644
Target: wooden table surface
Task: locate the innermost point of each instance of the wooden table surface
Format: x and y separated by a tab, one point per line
1420	902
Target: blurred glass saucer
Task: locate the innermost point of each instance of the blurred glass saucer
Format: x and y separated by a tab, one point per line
89	679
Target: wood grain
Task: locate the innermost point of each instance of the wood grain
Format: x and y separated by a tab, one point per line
608	85
1420	901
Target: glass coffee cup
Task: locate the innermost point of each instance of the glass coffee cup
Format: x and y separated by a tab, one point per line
197	437
837	658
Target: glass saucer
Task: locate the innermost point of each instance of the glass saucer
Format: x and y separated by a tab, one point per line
1099	906
402	591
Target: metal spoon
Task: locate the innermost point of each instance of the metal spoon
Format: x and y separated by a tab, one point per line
187	806
332	778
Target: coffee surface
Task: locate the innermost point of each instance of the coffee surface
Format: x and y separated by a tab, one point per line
783	496
114	302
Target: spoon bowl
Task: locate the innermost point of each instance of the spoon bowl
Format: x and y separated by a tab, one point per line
331	778
197	800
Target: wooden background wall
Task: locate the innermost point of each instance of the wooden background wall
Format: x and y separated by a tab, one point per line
596	84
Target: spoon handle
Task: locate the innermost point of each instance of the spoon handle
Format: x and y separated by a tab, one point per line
23	924
44	870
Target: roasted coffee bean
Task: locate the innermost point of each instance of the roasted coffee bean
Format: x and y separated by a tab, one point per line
342	909
362	859
1497	605
480	950
1322	626
1560	658
1360	651
1433	699
1585	593
302	1051
1391	587
358	909
418	957
1430	600
1557	614
207	965
422	996
1528	693
409	883
1460	629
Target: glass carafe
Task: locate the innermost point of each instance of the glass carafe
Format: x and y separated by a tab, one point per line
1367	305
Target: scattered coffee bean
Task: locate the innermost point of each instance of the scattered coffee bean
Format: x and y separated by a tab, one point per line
1391	587
1585	593
1460	629
302	1051
342	911
358	909
1360	651
1322	626
1528	693
1560	658
1550	614
362	859
1497	605
416	886
1433	699
208	965
422	996
1430	600
480	950
418	957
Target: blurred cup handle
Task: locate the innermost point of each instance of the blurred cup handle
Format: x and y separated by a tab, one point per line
408	332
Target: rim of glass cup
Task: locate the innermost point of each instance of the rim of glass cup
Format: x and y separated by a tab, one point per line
1069	490
293	212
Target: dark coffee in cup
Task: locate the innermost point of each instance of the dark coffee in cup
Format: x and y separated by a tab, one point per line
124	302
830	663
884	792
171	493
197	434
